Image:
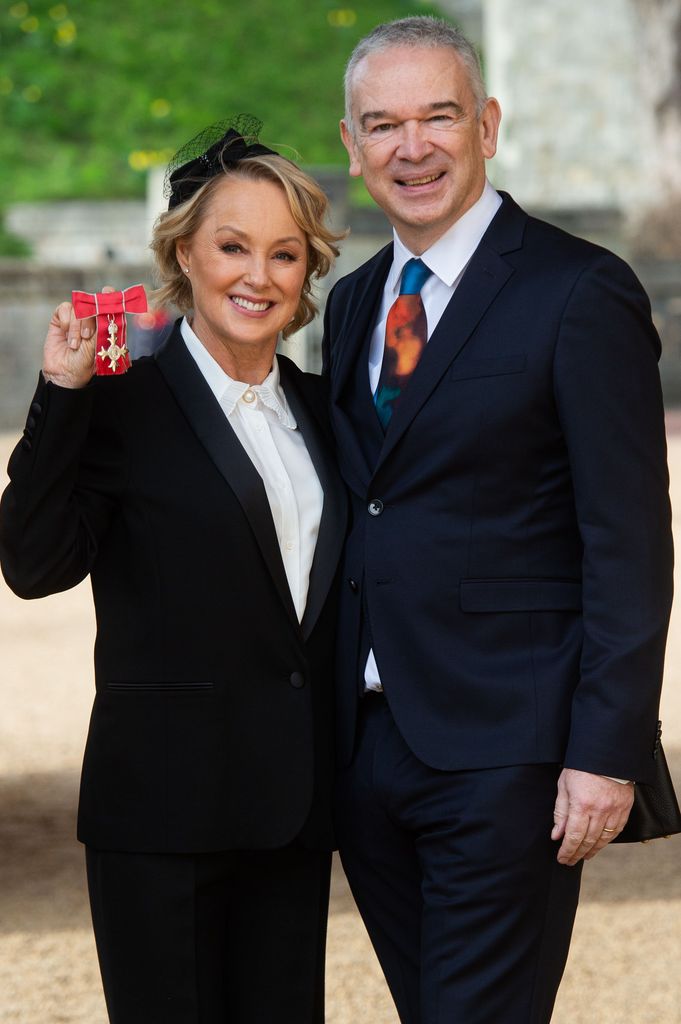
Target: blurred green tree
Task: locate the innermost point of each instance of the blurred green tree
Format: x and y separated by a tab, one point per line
92	93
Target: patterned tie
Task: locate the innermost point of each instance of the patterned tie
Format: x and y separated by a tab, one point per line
406	334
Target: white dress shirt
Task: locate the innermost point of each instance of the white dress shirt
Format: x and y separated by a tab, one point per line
264	424
448	257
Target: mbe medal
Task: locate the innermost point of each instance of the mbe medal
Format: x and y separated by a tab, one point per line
109	309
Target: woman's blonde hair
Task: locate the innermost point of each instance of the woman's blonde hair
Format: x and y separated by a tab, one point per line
308	205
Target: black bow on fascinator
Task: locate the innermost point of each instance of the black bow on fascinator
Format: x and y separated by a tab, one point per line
212	151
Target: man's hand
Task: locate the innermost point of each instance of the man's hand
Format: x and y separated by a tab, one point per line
590	811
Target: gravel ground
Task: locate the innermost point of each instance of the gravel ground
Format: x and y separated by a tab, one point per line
626	953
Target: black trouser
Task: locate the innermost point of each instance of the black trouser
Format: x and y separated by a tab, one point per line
456	878
217	938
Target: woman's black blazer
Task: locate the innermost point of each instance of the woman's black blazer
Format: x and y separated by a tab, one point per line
211	725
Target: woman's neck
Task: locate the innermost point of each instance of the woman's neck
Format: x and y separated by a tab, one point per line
250	364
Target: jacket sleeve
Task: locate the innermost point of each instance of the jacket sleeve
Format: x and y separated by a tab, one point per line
64	475
609	401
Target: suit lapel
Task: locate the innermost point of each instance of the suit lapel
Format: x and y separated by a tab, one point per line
483	279
207	420
334	512
362	304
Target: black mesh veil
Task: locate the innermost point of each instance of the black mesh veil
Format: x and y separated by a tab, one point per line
212	151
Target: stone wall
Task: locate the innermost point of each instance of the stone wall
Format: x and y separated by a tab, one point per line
569	76
82	233
662	281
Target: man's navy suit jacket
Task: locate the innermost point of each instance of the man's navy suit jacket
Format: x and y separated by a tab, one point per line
510	550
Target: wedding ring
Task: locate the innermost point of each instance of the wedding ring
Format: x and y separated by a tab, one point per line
609	829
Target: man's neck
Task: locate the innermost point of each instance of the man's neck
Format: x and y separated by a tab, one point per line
418	238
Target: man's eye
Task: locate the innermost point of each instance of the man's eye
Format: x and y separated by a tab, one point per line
440	119
381	128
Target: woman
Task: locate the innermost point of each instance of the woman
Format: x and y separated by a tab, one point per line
199	492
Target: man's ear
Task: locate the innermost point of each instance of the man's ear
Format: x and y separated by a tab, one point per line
350	144
489	127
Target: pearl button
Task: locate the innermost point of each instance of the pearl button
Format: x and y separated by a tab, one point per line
249	396
289	545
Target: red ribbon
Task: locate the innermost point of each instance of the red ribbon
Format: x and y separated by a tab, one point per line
109	309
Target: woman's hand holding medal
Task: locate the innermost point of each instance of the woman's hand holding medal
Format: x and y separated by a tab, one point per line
69	352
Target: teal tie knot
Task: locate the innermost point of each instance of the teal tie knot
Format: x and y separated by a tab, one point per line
414	276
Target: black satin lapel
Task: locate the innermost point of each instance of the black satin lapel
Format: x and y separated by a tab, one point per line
207	420
334	512
484	278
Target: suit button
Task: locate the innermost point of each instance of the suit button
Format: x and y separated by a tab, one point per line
297	680
30	423
354	585
375	507
26	444
36	408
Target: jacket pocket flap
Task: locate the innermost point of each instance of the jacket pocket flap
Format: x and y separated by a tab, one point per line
520	595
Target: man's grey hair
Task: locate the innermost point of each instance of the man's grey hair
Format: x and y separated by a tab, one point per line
419	31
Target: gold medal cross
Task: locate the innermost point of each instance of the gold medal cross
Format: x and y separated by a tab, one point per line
114	352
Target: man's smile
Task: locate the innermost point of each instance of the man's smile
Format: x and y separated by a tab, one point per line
426	179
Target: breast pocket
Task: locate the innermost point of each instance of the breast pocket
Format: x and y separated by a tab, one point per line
497	366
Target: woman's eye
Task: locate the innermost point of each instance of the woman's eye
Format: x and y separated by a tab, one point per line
231	247
286	257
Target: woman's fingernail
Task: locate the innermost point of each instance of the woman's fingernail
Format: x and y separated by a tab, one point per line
86	332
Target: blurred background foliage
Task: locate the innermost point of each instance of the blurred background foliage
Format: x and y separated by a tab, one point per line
92	93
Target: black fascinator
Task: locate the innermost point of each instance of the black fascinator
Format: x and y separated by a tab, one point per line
212	151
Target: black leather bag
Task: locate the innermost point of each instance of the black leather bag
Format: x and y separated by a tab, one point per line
655	812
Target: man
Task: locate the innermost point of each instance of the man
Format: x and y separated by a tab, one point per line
497	406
